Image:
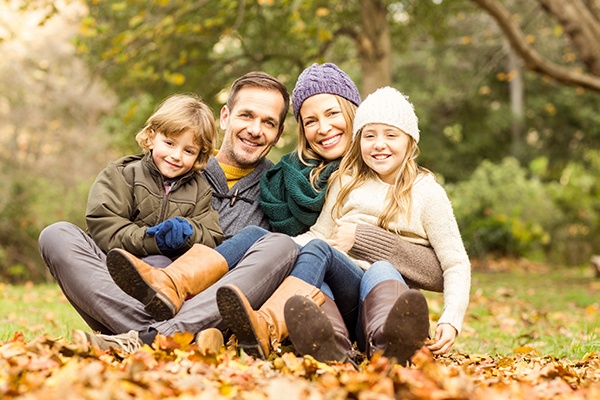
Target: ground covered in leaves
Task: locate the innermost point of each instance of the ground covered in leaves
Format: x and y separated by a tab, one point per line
502	353
47	368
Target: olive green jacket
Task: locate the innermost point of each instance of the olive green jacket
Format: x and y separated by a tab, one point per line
128	197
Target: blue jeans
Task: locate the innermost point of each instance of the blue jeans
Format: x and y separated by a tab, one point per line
378	272
236	247
232	249
319	263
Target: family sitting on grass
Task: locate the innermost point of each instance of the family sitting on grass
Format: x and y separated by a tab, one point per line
330	247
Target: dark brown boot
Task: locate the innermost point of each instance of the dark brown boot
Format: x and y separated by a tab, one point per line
259	332
163	290
395	320
318	331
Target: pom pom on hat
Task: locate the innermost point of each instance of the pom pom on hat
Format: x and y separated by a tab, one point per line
387	106
324	78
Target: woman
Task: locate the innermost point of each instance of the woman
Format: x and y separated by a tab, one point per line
324	101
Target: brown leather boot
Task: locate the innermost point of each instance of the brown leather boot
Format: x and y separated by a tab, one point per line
259	332
395	320
318	331
163	290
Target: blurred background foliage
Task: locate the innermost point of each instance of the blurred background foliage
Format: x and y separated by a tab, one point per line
516	149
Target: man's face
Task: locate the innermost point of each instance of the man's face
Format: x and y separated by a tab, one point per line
251	128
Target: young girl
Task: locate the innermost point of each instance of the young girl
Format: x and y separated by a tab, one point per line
379	183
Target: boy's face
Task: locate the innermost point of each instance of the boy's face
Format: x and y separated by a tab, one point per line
252	127
174	155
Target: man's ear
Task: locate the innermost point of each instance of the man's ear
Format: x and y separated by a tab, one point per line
224	117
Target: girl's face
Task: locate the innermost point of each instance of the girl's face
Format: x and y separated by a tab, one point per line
325	126
176	155
383	148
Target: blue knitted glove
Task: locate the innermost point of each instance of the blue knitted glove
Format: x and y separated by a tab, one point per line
171	234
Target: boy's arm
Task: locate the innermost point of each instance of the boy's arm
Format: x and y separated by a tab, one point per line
109	214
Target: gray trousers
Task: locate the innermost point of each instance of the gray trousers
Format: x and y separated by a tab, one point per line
79	268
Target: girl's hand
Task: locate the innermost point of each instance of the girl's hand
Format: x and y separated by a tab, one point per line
343	236
445	335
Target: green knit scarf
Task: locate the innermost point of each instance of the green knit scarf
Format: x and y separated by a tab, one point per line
288	199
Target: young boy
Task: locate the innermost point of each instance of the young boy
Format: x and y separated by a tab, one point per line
158	202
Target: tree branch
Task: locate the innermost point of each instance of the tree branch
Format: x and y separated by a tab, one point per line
533	60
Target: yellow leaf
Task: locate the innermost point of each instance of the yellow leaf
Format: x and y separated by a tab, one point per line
558	30
136	20
119	6
175	79
322	12
524	350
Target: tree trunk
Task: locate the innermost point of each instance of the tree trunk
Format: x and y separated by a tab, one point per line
517	100
375	48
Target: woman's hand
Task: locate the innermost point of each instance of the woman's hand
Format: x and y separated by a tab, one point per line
343	236
445	335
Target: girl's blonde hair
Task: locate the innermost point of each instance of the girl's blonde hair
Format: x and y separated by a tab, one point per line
399	197
178	114
306	153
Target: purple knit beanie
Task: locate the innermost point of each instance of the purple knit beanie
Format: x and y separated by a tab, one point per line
324	78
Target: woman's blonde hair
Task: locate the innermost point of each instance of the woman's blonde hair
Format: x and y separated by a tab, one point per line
306	153
178	114
399	197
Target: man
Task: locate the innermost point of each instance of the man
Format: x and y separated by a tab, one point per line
253	121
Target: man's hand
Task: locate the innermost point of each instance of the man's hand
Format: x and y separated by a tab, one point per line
343	236
445	335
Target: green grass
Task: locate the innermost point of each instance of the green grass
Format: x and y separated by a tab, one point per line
36	309
553	312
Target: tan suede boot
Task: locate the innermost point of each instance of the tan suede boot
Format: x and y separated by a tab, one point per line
163	290
319	331
209	341
395	320
259	332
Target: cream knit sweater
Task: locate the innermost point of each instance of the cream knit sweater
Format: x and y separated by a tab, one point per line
432	223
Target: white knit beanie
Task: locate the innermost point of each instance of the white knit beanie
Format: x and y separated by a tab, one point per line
387	106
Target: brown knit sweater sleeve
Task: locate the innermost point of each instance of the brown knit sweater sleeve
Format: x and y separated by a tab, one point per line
418	265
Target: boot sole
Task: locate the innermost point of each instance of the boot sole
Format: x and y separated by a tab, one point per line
406	327
310	330
235	316
128	278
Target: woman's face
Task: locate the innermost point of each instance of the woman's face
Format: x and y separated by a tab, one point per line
325	126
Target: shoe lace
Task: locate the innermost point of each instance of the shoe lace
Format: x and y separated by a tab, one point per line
128	342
